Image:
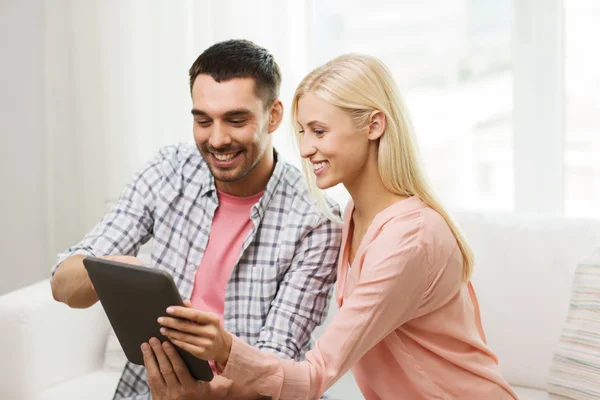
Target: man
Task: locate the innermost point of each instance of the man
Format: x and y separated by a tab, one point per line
233	224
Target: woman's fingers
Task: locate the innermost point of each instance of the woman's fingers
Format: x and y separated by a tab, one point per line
197	351
178	324
200	332
191	314
194	340
205	331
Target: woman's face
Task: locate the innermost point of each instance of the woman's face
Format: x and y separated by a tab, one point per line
336	148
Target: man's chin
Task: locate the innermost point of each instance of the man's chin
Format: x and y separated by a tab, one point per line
226	178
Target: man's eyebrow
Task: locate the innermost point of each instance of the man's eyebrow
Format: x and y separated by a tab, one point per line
240	112
199	113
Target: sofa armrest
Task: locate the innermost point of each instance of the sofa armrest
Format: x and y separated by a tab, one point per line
44	342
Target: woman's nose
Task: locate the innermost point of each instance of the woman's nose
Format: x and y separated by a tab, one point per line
307	148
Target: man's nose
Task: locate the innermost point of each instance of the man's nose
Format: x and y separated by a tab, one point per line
219	137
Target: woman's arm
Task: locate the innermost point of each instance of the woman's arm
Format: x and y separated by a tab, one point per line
388	294
394	282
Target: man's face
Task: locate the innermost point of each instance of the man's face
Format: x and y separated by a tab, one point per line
231	126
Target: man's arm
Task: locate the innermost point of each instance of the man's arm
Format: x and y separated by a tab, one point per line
71	284
301	303
122	231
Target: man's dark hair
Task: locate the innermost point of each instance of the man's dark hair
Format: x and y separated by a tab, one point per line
240	59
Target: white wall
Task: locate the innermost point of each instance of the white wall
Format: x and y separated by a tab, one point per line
24	251
88	96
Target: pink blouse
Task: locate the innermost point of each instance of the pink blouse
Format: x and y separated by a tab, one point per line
408	326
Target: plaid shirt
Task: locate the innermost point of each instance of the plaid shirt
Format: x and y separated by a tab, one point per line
279	289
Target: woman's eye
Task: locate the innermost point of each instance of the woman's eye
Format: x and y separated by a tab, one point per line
319	132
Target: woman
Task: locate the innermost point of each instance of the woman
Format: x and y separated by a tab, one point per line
408	324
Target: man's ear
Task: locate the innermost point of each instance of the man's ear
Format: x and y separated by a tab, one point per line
276	115
377	124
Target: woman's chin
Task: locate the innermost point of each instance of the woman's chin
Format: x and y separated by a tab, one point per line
325	183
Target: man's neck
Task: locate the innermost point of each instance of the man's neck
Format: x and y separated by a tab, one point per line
253	183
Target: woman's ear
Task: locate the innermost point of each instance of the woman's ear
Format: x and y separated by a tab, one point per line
275	116
377	124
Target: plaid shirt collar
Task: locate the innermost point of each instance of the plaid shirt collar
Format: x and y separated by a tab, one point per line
208	188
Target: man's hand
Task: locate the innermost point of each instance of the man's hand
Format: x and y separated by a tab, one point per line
170	379
197	332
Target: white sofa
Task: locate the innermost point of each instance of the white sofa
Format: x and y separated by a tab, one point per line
523	277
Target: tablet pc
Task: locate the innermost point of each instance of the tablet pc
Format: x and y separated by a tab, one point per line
133	298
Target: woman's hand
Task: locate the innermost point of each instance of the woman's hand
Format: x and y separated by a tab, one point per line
199	333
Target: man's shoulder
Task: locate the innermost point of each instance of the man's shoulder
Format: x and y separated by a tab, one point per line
179	160
179	154
293	188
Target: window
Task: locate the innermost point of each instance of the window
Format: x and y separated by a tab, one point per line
582	108
452	61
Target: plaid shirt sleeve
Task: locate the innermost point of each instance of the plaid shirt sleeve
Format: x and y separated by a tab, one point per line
129	223
301	303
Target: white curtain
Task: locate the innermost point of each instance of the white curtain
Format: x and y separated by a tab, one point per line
117	88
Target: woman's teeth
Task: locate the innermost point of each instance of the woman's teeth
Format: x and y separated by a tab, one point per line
320	165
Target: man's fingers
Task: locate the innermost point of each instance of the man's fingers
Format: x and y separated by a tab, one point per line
155	379
164	364
181	370
188	304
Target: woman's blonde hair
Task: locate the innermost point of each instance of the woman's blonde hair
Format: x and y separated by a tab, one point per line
360	84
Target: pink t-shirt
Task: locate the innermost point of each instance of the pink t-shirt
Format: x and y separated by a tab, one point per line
230	226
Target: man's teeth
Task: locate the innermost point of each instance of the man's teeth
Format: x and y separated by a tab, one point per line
225	157
319	165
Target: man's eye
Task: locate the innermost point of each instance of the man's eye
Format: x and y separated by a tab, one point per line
203	122
237	121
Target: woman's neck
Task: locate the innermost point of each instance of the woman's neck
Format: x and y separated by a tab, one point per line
369	194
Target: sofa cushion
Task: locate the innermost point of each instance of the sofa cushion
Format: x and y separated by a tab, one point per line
575	369
526	393
524	267
114	356
99	385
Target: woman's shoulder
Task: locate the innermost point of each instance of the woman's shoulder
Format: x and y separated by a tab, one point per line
416	223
